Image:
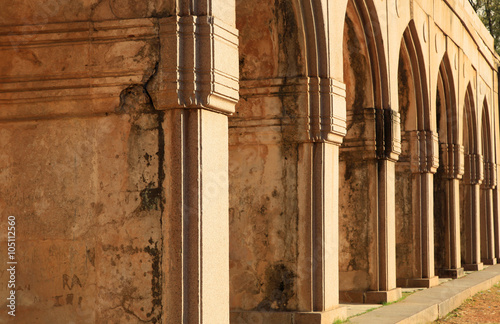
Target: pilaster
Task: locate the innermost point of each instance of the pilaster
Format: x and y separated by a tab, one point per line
487	219
388	151
453	163
424	163
196	86
473	179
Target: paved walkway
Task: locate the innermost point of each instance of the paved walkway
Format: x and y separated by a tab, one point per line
430	304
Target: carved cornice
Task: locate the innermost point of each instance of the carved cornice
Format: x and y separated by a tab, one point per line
424	151
198	66
453	160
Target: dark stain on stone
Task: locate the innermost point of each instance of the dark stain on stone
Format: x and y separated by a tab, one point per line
134	99
91	256
403	89
150	198
147	157
358	65
279	288
156	280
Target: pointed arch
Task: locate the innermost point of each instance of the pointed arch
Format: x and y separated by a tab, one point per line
411	55
446	213
469	187
486	135
470	133
414	169
365	76
447	96
488	254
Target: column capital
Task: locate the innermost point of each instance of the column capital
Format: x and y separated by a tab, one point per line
327	110
475	166
424	151
490	175
199	65
453	160
388	127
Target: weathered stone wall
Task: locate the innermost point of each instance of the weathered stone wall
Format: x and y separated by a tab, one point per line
264	158
82	162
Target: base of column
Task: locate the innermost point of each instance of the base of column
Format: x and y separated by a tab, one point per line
288	317
418	282
490	261
379	297
473	267
370	297
451	273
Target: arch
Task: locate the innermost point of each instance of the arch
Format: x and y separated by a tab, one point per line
411	55
414	169
487	222
469	133
449	110
469	187
446	213
486	135
287	93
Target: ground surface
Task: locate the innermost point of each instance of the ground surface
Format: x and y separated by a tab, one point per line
482	308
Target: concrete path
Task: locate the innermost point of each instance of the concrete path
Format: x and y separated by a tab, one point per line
430	304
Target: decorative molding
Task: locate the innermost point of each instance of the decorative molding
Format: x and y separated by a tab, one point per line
323	113
362	134
199	65
453	160
84	79
475	166
29	36
388	123
490	175
327	106
424	151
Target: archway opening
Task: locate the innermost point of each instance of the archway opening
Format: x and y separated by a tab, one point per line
366	97
469	189
413	171
446	214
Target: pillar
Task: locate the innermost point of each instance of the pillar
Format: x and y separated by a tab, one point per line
454	170
196	87
474	163
388	150
424	163
487	216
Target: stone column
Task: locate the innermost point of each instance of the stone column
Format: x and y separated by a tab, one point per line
424	163
454	170
474	163
196	87
318	207
487	218
496	216
388	150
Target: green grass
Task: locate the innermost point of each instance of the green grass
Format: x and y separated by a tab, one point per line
403	297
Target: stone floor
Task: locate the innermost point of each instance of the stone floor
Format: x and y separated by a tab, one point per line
426	305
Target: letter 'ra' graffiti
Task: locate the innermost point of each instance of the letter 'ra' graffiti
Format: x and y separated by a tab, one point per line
74	281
